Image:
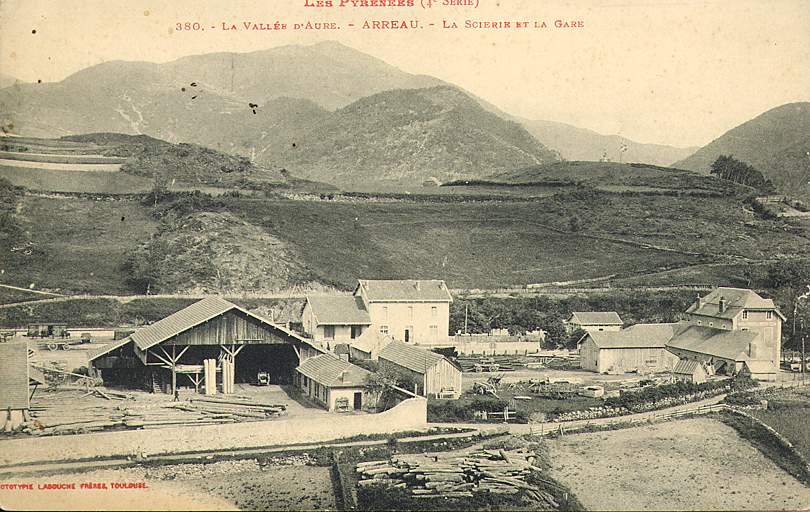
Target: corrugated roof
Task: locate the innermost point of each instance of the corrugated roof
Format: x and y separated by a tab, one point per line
595	318
417	290
195	314
736	300
714	342
326	369
180	321
636	336
94	354
339	310
410	357
686	367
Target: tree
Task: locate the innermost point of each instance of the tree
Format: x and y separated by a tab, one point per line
731	169
789	279
573	339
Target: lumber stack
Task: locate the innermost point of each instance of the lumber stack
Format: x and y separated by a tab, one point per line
492	471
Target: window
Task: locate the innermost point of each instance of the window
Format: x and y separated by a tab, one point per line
700	322
745	314
434	331
434	312
408	333
329	332
383	329
385	313
769	315
357	330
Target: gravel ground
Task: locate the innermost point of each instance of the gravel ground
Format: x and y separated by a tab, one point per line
225	485
695	464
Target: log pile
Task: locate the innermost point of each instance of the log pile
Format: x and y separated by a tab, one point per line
54	417
492	471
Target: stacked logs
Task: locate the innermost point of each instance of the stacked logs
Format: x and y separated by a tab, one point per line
493	471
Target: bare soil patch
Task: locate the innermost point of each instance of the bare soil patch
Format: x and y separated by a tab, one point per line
695	464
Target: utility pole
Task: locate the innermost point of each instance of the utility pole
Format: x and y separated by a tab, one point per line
466	306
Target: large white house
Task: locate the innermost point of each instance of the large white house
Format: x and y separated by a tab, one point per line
409	310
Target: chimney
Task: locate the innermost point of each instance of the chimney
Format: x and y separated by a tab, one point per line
342	376
418	286
722	304
699	301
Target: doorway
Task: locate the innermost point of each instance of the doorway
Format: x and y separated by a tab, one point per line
358	401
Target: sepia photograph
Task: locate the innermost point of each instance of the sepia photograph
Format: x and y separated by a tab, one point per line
395	255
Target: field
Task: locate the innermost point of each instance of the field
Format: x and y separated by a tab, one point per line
84	181
226	485
695	464
78	244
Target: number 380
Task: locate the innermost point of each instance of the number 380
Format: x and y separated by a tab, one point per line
187	26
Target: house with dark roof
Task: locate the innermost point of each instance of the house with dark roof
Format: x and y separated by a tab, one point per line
640	347
171	352
594	321
334	383
335	319
432	374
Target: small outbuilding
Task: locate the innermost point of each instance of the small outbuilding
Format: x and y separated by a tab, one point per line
14	385
641	348
759	370
433	374
334	383
689	370
594	321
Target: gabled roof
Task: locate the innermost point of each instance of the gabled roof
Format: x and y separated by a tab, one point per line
404	290
339	310
326	369
94	354
413	358
736	300
687	367
758	367
194	315
371	340
595	318
636	336
714	342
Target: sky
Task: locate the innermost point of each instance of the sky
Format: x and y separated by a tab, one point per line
671	72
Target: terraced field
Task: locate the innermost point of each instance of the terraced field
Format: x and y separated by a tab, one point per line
64	166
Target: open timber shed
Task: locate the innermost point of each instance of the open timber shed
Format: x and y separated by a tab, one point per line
177	346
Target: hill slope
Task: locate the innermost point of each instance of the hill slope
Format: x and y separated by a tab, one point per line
575	143
407	136
776	143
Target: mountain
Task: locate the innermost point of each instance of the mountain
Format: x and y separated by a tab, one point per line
407	136
7	80
180	100
776	143
575	143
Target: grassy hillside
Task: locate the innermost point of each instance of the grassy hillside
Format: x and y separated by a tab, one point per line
255	244
775	143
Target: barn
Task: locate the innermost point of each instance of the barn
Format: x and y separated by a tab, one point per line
173	351
433	373
641	347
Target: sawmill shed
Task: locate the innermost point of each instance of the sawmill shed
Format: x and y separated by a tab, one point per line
173	351
433	374
14	384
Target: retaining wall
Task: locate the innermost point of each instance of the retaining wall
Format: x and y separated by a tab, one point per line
410	414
